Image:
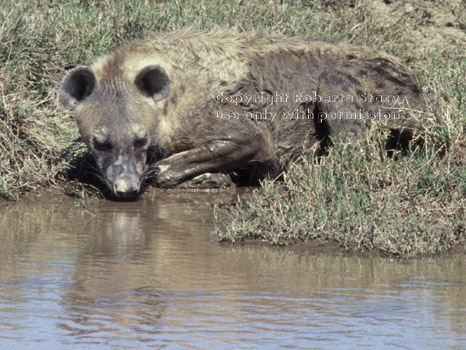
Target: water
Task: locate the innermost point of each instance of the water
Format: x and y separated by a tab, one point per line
151	275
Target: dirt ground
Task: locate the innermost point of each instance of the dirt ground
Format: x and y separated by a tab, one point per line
427	25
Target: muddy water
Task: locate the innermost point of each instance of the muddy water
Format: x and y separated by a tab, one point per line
150	275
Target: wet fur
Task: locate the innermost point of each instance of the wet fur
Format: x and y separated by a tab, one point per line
186	137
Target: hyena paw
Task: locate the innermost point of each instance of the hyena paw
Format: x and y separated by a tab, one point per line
208	181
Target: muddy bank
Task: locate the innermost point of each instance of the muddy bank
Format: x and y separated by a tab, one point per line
211	201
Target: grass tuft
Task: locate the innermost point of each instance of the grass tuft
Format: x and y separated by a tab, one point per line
405	205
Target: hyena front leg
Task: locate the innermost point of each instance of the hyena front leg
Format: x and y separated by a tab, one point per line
217	156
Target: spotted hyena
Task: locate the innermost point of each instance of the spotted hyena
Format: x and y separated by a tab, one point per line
179	106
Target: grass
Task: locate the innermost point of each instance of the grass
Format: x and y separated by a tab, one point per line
359	197
410	206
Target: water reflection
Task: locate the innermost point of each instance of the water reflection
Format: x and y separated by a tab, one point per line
150	274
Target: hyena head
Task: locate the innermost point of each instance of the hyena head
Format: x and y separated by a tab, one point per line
117	112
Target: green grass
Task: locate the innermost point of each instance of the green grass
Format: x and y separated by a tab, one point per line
357	196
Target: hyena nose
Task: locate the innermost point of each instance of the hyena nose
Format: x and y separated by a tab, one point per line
125	188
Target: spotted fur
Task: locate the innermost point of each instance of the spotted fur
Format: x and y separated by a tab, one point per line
183	104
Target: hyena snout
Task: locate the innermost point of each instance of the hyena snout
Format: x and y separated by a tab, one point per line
125	178
126	187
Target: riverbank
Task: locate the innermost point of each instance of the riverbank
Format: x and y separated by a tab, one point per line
408	205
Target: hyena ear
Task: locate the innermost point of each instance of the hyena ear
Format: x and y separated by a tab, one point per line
76	86
154	81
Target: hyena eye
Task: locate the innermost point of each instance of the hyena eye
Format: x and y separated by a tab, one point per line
140	143
104	146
